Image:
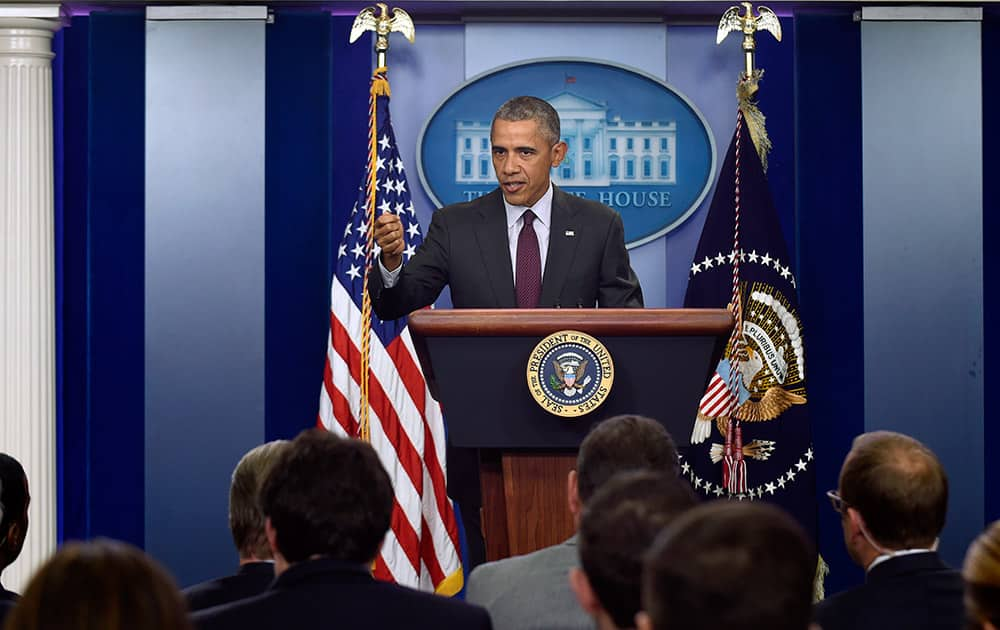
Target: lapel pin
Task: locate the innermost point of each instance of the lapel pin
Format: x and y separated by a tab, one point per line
570	233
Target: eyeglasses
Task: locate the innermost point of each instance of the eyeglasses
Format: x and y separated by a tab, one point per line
838	503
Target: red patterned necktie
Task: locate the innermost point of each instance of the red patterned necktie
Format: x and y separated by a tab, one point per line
528	281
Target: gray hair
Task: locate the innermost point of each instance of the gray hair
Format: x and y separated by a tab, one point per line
531	108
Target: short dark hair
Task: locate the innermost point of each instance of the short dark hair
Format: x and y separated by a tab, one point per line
981	573
531	108
724	564
622	443
245	520
100	585
13	506
898	486
617	527
329	496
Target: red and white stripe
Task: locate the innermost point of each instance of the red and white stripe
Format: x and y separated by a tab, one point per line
421	549
718	400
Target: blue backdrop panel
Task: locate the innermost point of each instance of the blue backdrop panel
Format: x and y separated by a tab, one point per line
828	202
352	71
707	74
991	255
102	429
298	172
71	73
205	252
777	101
923	244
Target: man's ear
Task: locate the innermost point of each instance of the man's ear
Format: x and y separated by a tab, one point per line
272	537
573	493
642	621
11	538
559	153
855	522
584	593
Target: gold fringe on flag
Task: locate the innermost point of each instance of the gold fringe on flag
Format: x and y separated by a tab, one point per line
380	84
746	95
819	581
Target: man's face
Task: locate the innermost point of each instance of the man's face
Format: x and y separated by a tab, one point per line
522	159
13	538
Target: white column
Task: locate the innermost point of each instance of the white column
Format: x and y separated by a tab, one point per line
27	280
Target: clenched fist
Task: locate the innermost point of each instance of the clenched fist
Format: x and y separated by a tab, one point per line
389	237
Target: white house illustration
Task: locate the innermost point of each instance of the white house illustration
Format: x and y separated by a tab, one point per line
601	151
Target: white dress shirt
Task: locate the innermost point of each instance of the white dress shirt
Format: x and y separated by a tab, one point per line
542	225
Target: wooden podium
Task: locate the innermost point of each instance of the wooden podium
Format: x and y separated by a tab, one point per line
475	363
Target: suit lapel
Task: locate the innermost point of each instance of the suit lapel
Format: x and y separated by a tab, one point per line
491	234
562	249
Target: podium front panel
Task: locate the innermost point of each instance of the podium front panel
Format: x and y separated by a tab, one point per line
483	381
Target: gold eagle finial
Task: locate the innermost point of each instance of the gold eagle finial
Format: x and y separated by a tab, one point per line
377	19
748	24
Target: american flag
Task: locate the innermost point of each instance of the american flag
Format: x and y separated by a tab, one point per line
404	424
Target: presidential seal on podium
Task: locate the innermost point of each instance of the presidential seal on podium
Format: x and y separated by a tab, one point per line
570	373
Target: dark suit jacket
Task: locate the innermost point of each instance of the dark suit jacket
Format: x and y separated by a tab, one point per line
249	580
6	605
467	249
7	601
326	594
913	591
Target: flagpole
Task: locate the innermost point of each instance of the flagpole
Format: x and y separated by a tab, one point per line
382	24
734	467
748	114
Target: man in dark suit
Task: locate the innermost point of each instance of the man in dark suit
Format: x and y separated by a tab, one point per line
14	501
892	500
527	244
5	608
256	569
327	503
570	252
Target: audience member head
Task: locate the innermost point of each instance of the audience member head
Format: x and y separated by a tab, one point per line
14	500
245	520
738	566
531	108
619	444
100	585
893	495
326	496
981	572
617	527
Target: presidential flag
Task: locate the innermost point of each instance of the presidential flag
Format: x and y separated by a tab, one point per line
373	387
751	439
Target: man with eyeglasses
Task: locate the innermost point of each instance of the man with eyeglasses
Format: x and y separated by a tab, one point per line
892	500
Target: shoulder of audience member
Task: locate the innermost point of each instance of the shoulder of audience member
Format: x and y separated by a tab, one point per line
508	568
832	604
229	614
461	614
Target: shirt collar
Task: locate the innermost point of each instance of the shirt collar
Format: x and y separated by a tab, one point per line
542	209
